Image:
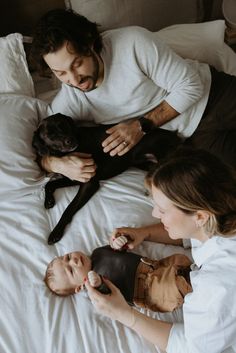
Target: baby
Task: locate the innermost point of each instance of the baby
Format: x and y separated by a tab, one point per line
158	285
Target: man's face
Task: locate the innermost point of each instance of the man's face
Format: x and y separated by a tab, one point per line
70	270
82	72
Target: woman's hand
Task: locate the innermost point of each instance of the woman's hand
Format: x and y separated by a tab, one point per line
75	166
116	308
111	305
135	236
123	137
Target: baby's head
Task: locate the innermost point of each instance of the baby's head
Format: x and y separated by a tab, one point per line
65	274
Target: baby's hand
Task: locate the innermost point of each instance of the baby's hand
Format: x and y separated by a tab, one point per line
119	242
94	279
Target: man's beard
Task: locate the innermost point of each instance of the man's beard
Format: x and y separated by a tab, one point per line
93	77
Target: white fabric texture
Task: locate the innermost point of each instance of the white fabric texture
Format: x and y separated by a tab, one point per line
203	42
32	319
14	72
150	66
19	118
209	311
41	321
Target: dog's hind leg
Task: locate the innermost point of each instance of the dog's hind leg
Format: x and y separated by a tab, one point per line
52	185
86	191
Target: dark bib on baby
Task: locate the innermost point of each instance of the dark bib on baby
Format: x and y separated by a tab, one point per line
118	266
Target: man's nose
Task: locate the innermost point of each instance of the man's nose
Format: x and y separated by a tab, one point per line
73	79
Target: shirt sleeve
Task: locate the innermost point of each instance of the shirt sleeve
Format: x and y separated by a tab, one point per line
169	71
209	326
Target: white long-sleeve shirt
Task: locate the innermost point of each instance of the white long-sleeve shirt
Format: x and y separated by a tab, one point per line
210	310
140	71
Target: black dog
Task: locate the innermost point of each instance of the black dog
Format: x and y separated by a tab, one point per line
58	135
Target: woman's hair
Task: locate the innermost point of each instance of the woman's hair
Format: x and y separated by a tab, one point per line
58	26
197	180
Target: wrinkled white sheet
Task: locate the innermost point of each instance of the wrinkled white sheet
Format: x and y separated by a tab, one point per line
34	320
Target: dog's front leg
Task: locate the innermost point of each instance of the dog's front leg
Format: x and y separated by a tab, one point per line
86	191
52	185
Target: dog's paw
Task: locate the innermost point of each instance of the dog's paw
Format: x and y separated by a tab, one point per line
49	201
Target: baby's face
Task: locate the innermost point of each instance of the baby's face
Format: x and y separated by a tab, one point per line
70	270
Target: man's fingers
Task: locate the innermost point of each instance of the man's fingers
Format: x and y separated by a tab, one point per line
111	130
114	139
124	150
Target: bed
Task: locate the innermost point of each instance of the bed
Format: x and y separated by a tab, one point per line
32	319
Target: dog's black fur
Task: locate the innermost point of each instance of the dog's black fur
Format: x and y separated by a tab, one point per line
59	135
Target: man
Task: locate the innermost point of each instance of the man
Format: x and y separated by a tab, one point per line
120	75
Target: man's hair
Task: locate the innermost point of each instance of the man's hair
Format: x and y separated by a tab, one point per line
49	280
58	26
197	180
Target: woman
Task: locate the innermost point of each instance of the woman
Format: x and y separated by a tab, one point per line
195	198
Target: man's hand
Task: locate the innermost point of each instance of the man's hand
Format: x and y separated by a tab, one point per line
123	137
75	166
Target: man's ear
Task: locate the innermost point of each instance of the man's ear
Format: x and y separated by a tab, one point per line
77	289
201	218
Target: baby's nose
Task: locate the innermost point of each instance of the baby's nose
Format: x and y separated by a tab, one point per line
75	259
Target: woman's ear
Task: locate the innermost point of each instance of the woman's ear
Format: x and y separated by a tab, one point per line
201	218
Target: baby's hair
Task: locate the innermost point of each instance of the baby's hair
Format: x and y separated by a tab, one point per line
49	279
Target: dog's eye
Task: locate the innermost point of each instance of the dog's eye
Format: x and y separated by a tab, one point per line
67	141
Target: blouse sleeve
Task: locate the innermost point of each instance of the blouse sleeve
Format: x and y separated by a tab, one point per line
209	323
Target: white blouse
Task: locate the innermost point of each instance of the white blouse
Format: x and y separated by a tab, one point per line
210	310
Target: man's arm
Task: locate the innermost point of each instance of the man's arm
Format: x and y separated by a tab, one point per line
161	114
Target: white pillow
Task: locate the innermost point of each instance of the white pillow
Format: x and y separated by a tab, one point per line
203	42
19	117
14	72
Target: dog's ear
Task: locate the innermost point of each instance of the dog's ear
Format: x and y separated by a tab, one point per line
39	144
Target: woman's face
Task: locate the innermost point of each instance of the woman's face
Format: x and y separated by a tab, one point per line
177	223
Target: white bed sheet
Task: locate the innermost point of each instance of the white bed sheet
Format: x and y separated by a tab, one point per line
34	320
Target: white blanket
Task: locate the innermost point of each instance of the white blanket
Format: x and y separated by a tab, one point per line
32	319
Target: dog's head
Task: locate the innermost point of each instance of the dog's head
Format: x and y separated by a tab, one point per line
55	135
